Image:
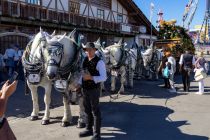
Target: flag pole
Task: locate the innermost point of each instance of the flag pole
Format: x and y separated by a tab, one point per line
151	15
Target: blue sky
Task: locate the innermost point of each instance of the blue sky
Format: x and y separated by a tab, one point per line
172	9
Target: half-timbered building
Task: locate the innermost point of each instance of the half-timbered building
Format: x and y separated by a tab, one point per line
107	19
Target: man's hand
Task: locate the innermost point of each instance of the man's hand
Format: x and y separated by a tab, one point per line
180	70
8	89
87	77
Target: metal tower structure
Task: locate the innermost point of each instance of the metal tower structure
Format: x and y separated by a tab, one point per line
206	21
189	12
160	17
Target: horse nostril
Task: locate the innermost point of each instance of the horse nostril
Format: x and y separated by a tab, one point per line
51	76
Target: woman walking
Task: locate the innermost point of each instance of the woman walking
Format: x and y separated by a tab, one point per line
200	65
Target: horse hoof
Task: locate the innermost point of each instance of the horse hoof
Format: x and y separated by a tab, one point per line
129	87
112	92
45	122
81	125
65	124
34	118
73	103
120	92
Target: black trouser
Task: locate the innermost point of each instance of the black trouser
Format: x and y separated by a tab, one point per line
92	109
167	83
186	79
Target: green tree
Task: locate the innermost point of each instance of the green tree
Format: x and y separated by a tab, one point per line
176	32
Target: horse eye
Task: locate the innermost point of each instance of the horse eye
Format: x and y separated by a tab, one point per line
49	51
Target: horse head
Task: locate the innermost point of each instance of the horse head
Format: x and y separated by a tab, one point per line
60	54
147	57
32	56
113	53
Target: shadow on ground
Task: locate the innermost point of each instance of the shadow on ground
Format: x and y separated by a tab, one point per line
123	121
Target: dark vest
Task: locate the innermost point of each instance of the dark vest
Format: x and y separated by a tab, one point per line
187	60
90	66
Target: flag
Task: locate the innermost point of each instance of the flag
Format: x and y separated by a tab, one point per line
152	6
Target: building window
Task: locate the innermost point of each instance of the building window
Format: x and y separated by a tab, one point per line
100	13
33	2
74	7
120	18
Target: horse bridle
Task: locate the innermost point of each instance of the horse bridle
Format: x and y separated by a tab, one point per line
39	63
55	51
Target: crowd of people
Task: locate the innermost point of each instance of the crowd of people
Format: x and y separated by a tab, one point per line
10	61
188	63
94	74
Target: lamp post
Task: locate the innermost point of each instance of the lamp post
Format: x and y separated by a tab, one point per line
151	15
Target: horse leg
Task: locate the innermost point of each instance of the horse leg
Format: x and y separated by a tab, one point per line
82	115
122	80
47	101
140	70
113	82
131	79
34	95
67	112
156	75
102	88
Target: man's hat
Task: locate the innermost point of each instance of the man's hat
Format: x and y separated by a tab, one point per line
89	45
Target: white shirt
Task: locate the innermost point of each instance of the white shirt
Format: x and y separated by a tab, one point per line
181	61
172	61
10	52
102	73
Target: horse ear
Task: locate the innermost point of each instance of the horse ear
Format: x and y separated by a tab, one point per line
98	41
83	45
120	42
72	34
62	37
40	28
53	33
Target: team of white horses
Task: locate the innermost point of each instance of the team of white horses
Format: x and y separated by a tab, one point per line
55	60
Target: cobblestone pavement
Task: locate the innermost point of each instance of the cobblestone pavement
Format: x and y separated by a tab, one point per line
146	112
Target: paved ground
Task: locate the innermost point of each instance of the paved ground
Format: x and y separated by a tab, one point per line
147	112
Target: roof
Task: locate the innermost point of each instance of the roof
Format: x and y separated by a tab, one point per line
138	15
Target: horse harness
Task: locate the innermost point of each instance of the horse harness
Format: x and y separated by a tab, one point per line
64	73
153	62
33	71
122	60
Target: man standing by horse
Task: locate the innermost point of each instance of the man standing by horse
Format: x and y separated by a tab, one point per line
187	63
94	73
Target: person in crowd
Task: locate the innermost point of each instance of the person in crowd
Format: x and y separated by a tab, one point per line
199	64
94	73
171	62
9	55
16	57
6	91
187	63
19	67
2	65
161	69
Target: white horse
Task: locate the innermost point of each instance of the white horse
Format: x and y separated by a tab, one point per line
63	65
139	65
33	63
131	63
151	59
117	59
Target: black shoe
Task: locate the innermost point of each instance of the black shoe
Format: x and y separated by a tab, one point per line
96	137
86	133
81	125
